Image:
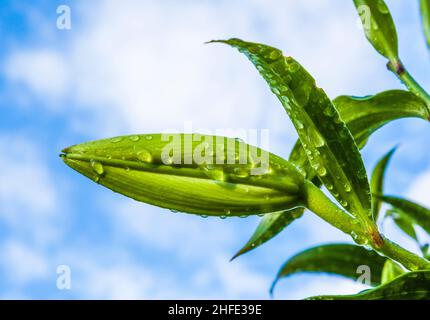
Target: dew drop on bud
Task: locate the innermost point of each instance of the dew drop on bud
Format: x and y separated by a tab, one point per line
134	138
144	156
97	167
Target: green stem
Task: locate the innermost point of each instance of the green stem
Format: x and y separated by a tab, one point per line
397	67
316	201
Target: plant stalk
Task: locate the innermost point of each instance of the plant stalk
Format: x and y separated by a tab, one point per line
397	67
316	201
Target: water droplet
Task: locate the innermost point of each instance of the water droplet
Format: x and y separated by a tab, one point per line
203	216
213	172
173	211
275	90
144	156
116	140
97	167
149	137
240	172
227	211
343	203
223	217
329	111
321	170
382	7
134	138
329	186
275	54
299	124
347	187
293	66
358	239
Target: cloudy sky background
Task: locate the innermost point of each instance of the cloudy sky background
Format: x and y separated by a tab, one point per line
141	67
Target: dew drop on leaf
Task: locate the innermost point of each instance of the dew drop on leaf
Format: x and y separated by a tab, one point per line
382	7
134	138
347	187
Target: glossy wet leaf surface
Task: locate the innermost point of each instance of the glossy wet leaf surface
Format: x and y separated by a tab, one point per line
364	115
377	181
425	17
409	286
378	26
418	213
403	221
329	145
270	225
164	172
338	259
390	271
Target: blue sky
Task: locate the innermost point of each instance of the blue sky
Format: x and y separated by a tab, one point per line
141	67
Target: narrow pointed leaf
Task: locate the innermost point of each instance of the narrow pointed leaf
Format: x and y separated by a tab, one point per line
425	17
327	141
338	259
403	221
377	181
378	26
270	225
390	271
365	115
273	223
419	214
168	171
409	286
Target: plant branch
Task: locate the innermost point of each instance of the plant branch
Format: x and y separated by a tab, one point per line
397	67
316	201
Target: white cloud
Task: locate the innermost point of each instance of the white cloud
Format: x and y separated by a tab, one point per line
141	67
23	263
29	194
42	71
312	285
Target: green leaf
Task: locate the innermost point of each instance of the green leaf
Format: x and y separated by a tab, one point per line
390	271
378	26
409	286
365	115
425	250
273	223
377	181
403	221
425	17
199	174
270	225
339	259
419	214
327	141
